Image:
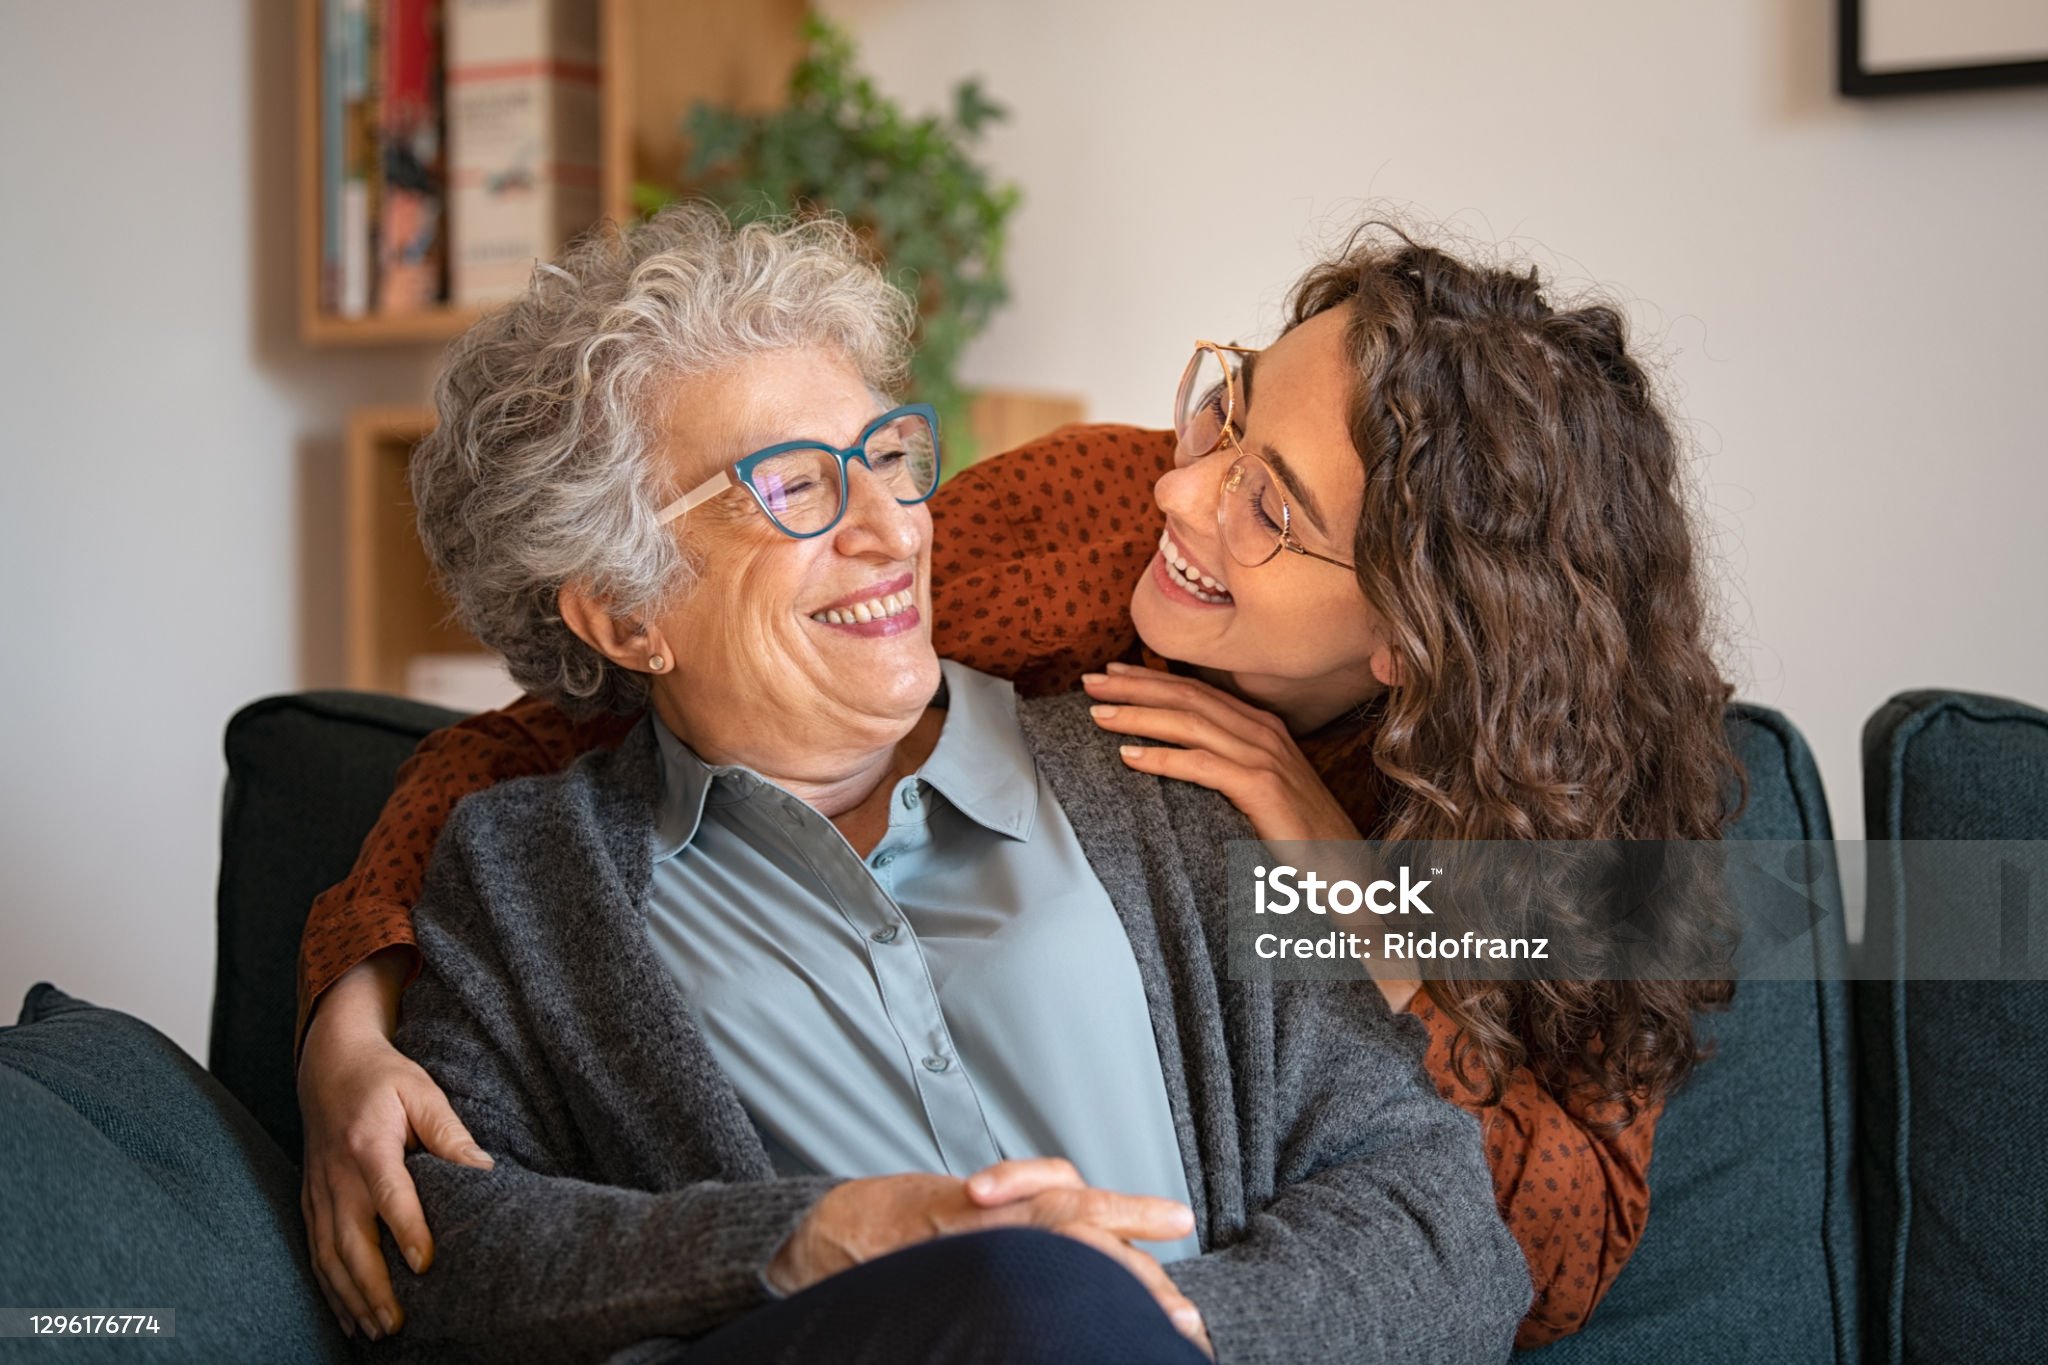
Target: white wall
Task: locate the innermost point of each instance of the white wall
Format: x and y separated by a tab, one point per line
166	543
1849	297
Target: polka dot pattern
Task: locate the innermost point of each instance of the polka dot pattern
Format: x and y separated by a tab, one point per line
1035	555
1575	1198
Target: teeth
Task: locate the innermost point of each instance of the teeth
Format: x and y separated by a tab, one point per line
874	609
1191	578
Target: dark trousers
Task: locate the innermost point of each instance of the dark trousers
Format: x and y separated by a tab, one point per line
1016	1296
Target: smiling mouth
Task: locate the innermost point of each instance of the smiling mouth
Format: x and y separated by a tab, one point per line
889	606
1181	571
874	609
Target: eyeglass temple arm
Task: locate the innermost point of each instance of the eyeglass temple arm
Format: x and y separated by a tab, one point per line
702	493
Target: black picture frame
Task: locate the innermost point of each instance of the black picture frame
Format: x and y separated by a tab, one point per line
1856	83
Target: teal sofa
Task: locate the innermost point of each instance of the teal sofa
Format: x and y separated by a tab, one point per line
1795	1215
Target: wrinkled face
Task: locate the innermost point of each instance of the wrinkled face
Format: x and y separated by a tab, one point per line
1294	634
769	646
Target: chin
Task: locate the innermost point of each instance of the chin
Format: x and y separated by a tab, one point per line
1161	628
913	679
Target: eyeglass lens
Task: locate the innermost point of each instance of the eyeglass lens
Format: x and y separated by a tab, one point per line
1250	513
1205	403
804	489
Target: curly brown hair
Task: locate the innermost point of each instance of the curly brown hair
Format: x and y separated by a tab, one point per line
1526	538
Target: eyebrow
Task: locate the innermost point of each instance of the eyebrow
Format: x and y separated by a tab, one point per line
1295	487
1284	470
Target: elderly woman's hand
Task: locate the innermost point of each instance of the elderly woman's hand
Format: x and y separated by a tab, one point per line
364	1103
858	1220
1044	1189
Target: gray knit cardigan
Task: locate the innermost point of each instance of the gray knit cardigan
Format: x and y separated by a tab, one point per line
1344	1211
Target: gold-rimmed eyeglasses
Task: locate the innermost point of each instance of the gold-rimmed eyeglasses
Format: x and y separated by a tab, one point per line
1252	514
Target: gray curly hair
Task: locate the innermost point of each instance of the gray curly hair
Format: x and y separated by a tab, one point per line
541	469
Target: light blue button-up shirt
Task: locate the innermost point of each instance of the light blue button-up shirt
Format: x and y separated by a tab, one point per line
964	995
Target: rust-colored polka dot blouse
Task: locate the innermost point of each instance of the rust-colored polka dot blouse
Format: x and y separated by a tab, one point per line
1035	556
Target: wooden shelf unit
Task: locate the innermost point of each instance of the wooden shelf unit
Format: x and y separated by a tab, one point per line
391	608
659	57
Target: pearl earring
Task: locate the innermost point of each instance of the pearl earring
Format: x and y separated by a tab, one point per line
656	663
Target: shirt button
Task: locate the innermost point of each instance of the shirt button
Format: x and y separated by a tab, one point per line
885	934
910	798
884	859
937	1063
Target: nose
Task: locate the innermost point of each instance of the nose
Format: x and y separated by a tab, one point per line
875	523
1188	492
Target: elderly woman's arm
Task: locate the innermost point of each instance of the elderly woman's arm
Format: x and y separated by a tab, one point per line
1380	1241
537	1260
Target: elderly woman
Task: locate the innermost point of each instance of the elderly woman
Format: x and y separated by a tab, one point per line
844	950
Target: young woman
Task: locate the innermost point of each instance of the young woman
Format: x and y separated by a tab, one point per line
1423	570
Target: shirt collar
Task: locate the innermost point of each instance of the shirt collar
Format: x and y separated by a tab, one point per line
980	764
685	785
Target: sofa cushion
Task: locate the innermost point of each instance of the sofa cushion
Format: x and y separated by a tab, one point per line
132	1180
307	776
1953	1086
1750	1252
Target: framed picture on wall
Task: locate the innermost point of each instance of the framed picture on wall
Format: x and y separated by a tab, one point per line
1898	47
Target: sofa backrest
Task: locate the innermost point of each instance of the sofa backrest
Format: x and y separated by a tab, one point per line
1954	1074
1751	1251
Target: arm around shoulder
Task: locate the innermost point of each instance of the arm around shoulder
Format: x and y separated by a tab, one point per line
370	910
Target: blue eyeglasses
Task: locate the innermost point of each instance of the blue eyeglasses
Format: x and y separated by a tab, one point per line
801	485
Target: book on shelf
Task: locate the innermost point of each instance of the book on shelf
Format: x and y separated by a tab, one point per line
358	159
459	144
411	240
523	138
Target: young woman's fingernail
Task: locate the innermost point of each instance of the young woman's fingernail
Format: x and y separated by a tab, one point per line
1118	668
1130	750
1094	677
1102	712
388	1320
412	1258
478	1154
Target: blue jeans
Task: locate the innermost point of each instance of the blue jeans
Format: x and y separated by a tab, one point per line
1015	1296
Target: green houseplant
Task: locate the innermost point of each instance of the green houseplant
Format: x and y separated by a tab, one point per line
910	187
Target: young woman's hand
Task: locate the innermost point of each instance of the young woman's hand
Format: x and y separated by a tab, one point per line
364	1103
1227	745
1232	747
